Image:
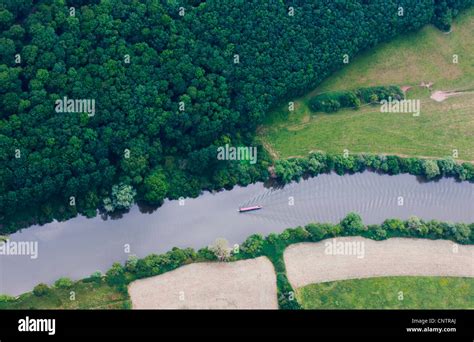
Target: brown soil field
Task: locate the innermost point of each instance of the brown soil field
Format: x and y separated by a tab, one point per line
246	284
309	263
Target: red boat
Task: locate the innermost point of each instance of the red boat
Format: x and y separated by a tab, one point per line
243	210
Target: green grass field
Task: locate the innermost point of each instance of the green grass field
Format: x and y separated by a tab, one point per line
408	60
385	293
87	296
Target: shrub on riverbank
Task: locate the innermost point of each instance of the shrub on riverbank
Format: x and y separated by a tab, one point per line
63	283
316	163
95	277
41	290
154	264
5	299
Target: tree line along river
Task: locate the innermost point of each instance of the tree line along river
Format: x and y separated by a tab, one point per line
78	247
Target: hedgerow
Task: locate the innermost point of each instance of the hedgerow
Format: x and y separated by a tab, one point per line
331	102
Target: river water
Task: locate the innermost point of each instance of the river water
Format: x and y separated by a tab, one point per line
80	246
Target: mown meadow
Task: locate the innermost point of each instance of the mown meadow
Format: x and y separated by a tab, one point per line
422	56
390	293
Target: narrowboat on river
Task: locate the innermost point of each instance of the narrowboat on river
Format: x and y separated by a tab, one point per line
245	209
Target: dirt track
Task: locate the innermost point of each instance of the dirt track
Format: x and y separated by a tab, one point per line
307	263
440	96
247	284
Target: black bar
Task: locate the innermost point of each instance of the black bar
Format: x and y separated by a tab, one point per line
243	323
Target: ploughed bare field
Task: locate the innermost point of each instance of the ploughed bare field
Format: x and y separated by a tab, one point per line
356	257
246	284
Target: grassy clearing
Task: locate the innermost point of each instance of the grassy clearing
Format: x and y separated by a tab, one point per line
408	60
88	295
384	292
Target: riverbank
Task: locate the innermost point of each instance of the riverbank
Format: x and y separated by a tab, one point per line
87	245
273	247
278	172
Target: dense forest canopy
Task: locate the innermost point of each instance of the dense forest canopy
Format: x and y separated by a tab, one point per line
171	81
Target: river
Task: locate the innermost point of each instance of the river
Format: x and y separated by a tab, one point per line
78	247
